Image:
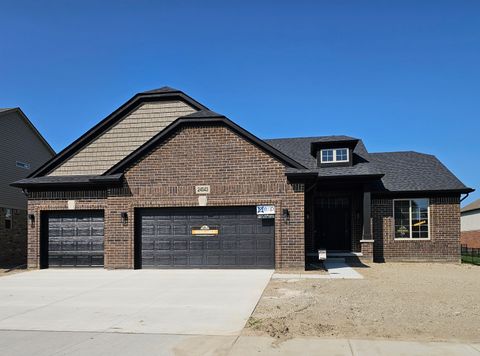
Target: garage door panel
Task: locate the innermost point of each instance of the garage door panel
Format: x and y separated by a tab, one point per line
180	245
67	232
247	260
180	230
244	244
148	230
196	245
97	246
148	245
163	230
195	260
229	245
213	245
243	240
162	245
264	245
97	231
245	229
97	261
180	260
75	239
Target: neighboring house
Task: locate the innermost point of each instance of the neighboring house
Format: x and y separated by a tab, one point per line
22	150
163	182
471	225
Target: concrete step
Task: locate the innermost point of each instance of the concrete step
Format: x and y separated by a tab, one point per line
335	259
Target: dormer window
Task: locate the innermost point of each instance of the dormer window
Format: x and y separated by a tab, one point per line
334	155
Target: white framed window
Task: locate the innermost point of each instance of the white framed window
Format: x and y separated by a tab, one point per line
411	219
23	165
8	219
334	155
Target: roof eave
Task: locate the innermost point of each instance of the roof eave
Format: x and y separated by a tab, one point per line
426	191
99	182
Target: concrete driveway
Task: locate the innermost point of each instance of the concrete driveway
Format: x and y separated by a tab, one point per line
185	302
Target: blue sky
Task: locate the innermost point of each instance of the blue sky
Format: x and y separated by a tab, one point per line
402	75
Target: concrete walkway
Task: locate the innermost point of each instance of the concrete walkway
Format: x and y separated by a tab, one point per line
43	343
336	269
341	270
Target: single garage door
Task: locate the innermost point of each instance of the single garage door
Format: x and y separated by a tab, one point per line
74	239
227	237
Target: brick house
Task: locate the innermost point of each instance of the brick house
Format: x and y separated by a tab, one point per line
163	182
470	225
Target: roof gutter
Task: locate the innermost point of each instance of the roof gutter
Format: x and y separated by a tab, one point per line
97	182
465	197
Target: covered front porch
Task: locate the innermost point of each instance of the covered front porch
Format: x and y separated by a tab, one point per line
338	219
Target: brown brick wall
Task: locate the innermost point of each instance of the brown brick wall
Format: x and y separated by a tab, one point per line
13	242
470	238
444	243
238	173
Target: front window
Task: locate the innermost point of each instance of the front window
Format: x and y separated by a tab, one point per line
8	218
334	155
411	218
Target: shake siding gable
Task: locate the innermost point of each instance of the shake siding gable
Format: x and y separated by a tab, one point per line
126	136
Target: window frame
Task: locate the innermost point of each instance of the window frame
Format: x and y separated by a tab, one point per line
411	238
22	165
334	155
8	218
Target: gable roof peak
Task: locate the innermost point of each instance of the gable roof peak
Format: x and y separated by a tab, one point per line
162	90
202	114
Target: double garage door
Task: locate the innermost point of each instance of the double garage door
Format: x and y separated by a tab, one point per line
227	237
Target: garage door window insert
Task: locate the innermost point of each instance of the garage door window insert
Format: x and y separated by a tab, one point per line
411	219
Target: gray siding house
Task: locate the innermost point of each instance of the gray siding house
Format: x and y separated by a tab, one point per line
22	150
470	224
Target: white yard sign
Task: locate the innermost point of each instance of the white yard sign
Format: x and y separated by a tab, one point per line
265	209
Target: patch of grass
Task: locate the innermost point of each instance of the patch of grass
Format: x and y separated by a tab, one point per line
471	259
253	322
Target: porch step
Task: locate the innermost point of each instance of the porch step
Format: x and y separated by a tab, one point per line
335	259
344	254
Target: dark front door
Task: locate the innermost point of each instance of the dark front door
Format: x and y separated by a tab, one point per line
204	237
73	239
332	223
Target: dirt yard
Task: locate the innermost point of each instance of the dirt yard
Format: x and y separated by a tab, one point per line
400	301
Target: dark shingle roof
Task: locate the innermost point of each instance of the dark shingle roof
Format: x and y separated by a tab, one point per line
299	150
161	90
6	109
413	171
472	206
203	114
402	171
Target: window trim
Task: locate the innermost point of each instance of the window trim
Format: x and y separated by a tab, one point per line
8	218
411	238
334	155
23	165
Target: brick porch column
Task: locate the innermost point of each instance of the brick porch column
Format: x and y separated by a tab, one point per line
367	238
